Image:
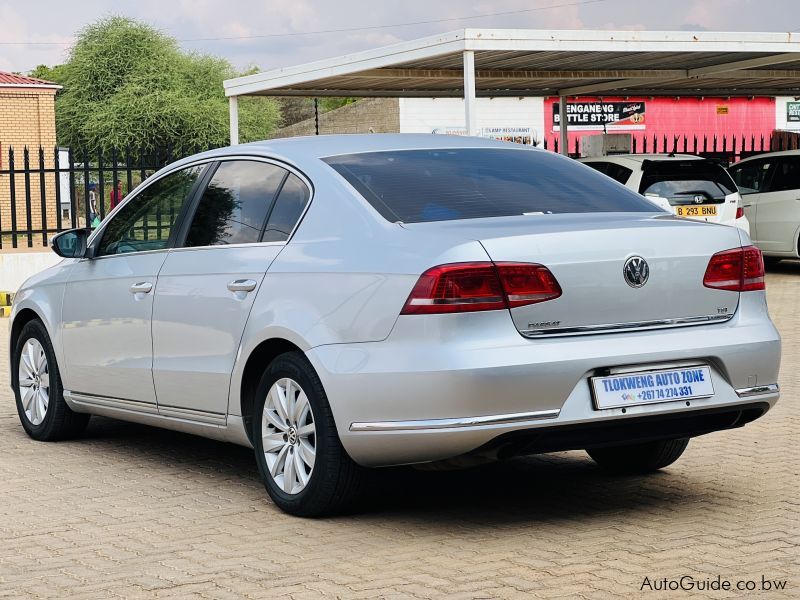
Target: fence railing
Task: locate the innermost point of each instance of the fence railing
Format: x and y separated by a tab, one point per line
726	148
43	192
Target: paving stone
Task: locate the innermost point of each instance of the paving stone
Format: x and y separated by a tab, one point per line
135	512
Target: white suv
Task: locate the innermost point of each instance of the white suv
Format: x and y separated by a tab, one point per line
688	185
770	186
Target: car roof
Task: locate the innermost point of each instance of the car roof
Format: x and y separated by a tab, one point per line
770	154
298	149
640	158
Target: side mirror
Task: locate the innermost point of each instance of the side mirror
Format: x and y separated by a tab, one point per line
70	244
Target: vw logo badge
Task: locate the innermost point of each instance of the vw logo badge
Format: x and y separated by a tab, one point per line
636	271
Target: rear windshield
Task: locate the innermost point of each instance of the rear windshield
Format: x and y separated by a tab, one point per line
416	186
685	181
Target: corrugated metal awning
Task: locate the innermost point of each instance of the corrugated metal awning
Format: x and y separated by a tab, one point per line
511	62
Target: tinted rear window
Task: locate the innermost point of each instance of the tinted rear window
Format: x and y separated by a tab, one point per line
681	181
415	186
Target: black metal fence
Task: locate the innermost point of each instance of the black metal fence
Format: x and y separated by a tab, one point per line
43	192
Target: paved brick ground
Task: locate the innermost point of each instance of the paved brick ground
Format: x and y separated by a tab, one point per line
133	512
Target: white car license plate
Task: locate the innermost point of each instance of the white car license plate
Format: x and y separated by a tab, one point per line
649	387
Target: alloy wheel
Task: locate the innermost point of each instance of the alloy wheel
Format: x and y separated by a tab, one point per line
288	436
34	381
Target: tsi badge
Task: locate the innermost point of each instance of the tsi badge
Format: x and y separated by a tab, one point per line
636	271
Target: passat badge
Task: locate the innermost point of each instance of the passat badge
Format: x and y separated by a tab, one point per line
636	271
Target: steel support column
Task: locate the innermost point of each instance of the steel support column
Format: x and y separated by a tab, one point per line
563	127
470	107
233	108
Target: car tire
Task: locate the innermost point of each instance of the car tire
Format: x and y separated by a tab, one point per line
639	458
36	380
289	430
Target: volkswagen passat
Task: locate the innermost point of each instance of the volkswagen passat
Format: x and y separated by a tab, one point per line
346	302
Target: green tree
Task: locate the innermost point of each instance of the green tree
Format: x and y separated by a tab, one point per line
128	84
326	104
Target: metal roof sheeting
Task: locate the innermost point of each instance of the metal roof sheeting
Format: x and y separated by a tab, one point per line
14	80
519	62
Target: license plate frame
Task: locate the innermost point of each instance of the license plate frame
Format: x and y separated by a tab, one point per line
623	395
697	211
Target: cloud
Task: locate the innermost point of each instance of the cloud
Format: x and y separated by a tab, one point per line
56	21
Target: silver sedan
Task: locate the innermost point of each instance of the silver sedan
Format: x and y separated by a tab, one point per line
346	302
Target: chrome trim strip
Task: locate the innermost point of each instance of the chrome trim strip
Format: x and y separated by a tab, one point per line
189	414
679	322
454	423
757	390
107	402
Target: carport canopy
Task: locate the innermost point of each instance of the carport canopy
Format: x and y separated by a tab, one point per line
472	63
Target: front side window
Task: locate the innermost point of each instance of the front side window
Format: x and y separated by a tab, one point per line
146	221
235	205
414	186
751	177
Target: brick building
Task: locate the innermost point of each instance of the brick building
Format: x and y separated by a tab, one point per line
27	119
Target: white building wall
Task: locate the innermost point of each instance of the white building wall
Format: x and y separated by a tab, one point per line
16	267
446	115
780	114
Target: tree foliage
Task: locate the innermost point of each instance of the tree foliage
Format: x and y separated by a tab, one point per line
128	84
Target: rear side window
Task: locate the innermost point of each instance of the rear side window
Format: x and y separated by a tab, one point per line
787	175
613	170
235	204
415	186
682	181
288	209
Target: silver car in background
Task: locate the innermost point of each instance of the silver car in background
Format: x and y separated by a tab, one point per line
344	302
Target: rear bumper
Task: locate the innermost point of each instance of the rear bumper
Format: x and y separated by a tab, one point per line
444	385
633	431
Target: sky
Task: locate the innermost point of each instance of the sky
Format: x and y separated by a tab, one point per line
291	32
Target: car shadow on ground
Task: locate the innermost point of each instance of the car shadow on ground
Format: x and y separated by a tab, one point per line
788	266
553	487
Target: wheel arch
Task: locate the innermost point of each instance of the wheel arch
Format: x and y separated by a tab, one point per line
22	318
258	360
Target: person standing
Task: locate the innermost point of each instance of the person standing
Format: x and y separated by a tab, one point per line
92	204
115	197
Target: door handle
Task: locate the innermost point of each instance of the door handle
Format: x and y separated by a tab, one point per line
143	287
242	285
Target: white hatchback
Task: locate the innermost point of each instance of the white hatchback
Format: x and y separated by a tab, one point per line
684	184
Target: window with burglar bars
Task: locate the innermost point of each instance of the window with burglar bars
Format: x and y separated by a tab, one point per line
45	191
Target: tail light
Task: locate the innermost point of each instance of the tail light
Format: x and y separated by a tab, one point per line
737	270
476	286
739	212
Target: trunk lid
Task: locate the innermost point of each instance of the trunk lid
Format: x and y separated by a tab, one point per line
587	254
